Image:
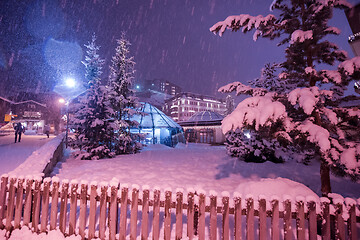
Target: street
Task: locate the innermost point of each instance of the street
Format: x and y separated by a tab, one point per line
13	154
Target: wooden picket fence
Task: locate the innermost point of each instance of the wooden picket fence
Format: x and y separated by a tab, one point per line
44	205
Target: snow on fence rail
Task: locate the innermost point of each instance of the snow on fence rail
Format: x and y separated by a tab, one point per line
113	212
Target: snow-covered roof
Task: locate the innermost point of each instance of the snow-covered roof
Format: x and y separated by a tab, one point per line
6	100
206	116
43	105
203	118
154	118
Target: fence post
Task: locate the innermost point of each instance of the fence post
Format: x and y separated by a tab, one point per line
134	211
156	214
54	203
225	213
287	220
10	205
83	208
325	229
113	211
300	218
351	204
201	225
63	205
312	220
167	218
190	215
36	205
275	219
19	202
123	212
45	205
213	215
179	213
92	210
250	218
4	181
238	215
145	213
73	207
28	200
262	218
103	204
339	221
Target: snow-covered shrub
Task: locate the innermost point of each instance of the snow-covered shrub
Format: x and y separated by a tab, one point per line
252	147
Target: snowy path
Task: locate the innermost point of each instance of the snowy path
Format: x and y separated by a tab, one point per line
13	154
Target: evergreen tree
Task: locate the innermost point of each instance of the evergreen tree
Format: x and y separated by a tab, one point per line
94	128
306	114
122	98
229	103
269	79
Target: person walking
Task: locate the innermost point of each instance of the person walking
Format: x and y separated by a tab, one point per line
18	131
47	130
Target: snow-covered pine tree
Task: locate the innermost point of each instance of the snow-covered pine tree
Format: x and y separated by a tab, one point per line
229	103
307	113
122	98
94	128
269	79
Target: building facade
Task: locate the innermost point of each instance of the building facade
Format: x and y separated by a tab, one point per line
163	86
182	106
33	115
204	127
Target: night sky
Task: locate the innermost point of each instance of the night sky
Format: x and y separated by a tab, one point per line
42	41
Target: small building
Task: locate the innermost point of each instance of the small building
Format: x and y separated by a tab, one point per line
31	114
184	105
157	127
204	127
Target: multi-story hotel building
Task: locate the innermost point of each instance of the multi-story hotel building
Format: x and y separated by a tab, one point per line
163	86
182	106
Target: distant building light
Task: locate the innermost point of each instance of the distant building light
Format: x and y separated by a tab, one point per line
137	87
247	134
354	37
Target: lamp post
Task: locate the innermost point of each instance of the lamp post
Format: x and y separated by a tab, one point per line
70	83
62	101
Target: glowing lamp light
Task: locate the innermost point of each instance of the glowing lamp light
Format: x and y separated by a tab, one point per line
137	87
247	134
70	82
61	100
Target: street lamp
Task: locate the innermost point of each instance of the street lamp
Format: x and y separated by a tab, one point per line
69	89
70	82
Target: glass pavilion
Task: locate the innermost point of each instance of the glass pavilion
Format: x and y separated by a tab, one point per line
157	127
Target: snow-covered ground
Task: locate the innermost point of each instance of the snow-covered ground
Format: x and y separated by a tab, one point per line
13	154
198	166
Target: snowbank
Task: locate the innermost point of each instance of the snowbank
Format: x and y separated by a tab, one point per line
278	188
25	233
36	164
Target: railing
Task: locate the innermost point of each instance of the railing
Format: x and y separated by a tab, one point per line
111	211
